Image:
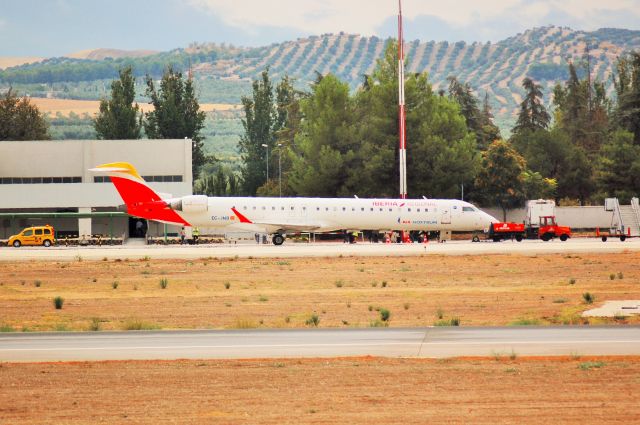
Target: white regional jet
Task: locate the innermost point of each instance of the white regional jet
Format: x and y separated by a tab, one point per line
279	216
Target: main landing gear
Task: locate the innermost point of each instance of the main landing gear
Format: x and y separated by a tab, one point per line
277	239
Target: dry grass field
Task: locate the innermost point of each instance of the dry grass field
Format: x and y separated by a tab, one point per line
91	107
318	391
215	293
9	61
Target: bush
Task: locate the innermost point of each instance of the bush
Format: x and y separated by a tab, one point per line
227	285
96	324
588	298
245	323
164	282
138	325
385	314
572	281
37	283
339	283
313	320
58	302
590	365
114	285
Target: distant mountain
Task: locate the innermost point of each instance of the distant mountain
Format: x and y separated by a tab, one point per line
224	73
100	54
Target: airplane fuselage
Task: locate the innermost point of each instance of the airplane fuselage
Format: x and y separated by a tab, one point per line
329	214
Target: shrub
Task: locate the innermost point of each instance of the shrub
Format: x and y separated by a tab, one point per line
560	300
591	365
588	298
385	314
263	298
406	306
114	285
384	283
96	324
58	302
164	282
525	321
455	321
37	283
572	281
378	324
612	276
313	320
6	328
339	283
227	285
620	275
138	325
245	323
439	313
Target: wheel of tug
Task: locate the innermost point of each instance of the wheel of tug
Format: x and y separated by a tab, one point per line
277	239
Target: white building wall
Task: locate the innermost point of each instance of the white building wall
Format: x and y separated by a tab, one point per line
74	158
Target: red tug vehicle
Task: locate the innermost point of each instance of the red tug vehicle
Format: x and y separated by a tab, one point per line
540	223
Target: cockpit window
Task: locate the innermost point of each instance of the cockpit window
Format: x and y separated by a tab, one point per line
468	209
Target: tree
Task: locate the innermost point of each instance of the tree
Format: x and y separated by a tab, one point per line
535	186
441	152
176	114
20	120
619	167
260	125
325	147
489	131
627	85
119	118
533	115
478	121
501	178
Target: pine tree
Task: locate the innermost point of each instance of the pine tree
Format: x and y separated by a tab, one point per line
176	114
533	115
627	84
119	118
260	118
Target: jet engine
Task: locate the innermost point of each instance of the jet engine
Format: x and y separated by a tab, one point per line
190	204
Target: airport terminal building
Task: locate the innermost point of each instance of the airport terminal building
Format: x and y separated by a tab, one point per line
49	182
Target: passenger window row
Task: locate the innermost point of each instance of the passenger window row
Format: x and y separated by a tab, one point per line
344	209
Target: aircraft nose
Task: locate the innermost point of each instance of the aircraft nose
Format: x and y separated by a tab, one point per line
487	219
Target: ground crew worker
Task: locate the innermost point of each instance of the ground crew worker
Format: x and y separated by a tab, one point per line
196	235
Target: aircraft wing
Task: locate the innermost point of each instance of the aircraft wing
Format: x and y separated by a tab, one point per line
277	226
288	227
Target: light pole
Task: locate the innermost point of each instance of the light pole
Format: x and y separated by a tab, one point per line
280	167
264	145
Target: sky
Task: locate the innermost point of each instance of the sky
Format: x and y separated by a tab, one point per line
49	28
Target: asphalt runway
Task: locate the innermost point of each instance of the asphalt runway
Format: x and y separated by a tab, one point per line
291	249
436	342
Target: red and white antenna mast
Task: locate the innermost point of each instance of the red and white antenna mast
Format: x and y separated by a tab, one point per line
402	152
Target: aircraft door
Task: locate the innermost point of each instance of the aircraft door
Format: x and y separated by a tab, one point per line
445	217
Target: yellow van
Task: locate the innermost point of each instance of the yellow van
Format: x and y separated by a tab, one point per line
38	235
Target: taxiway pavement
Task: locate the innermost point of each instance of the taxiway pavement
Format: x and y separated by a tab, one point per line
435	342
291	249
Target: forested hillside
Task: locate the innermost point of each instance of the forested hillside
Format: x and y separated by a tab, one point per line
224	73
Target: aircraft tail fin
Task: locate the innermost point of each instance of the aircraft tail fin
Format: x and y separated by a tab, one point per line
140	199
